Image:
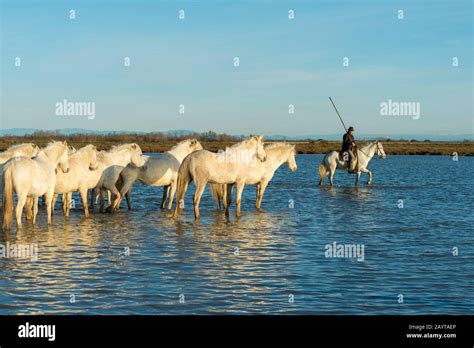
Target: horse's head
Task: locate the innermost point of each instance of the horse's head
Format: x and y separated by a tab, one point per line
194	145
71	150
261	154
63	160
292	159
34	150
380	152
137	155
93	161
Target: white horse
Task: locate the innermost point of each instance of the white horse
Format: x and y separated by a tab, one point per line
32	178
81	163
260	175
111	164
26	149
18	150
157	171
227	167
331	162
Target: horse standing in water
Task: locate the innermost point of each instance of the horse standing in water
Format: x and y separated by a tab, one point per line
157	171
228	167
81	163
26	149
111	163
261	174
32	178
331	162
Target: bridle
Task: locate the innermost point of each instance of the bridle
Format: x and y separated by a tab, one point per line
379	151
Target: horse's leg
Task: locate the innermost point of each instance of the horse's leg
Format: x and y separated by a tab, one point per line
227	198
92	193
263	186
126	191
102	200
49	199
55	199
200	186
357	177
64	201
109	197
29	208
19	208
257	194
128	196
331	175
116	203
35	209
83	193
172	193
369	173
166	189
238	196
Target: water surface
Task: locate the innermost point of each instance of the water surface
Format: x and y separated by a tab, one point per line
262	261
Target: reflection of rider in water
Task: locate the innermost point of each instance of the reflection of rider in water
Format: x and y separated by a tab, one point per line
348	146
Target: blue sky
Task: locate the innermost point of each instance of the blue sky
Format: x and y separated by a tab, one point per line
282	62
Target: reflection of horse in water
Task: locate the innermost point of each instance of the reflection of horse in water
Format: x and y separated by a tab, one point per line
331	162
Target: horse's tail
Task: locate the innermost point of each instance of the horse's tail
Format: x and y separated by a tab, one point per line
7	202
184	177
322	172
217	192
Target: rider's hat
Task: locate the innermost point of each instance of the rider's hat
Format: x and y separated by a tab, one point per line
351	129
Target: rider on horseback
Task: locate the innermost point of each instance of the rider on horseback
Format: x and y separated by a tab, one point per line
348	148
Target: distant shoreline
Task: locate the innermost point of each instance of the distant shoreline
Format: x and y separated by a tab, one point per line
160	143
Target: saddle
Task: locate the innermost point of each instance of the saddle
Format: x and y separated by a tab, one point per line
354	159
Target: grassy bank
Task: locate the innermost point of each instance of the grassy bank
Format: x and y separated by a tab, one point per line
157	142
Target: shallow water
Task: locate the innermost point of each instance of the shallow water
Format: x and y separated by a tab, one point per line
281	250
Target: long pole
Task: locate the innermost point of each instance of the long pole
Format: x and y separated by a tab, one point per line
334	105
337	112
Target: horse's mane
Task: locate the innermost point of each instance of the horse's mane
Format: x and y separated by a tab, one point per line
83	149
50	145
232	147
277	145
365	146
121	147
15	147
182	142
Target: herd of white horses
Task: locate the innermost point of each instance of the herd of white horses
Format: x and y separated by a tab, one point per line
59	169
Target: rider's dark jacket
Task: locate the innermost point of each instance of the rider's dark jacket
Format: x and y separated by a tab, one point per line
347	141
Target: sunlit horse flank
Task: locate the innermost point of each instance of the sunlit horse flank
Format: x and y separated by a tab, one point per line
32	178
17	150
228	167
331	162
260	175
81	163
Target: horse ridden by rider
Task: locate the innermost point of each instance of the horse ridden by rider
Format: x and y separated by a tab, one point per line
350	158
